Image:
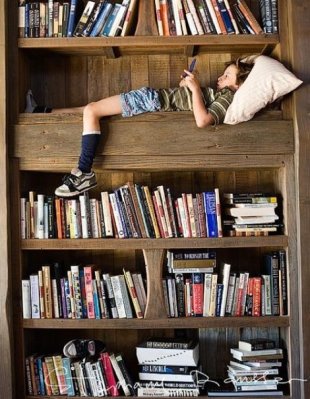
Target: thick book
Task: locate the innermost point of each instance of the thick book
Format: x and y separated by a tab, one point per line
168	392
256	344
172	377
264	354
167	343
175	357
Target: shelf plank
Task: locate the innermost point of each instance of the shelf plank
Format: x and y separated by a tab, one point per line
158	243
126	137
156	323
125	397
130	45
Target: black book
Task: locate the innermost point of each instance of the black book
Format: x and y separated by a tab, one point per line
127	377
256	344
283	283
58	274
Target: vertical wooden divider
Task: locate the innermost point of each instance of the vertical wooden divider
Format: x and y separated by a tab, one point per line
146	23
154	262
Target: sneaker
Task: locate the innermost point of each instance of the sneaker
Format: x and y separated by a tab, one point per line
76	183
33	107
80	348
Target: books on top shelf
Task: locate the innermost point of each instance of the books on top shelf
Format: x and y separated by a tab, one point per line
82	292
173	17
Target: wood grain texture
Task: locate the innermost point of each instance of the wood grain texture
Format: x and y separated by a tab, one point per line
6	344
140	136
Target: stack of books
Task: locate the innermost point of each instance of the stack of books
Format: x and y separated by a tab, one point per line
255	366
251	214
167	367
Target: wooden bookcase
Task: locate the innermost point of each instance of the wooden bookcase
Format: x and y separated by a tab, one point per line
154	149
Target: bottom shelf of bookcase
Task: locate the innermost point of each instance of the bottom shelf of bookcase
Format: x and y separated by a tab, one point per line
123	397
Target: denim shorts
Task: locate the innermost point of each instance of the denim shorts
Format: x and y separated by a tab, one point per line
136	102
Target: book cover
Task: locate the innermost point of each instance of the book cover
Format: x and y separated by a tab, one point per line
112	388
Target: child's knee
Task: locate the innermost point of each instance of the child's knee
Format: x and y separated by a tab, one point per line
90	110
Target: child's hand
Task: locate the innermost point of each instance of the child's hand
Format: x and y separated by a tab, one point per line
189	81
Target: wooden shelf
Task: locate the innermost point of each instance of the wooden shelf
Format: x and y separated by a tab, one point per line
123	397
134	45
158	243
142	324
137	143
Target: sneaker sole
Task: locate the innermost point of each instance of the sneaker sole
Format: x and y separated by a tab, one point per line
77	192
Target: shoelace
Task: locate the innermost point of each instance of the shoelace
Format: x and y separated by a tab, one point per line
69	179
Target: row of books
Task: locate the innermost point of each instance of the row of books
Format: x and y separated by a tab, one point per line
193	292
131	211
168	367
199	17
53	18
58	375
251	213
82	292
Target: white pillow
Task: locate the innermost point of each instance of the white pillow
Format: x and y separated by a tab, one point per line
267	81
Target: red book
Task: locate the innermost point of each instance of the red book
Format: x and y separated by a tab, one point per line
109	373
197	292
88	281
257	292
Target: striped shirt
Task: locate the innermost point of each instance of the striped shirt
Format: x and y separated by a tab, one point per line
180	99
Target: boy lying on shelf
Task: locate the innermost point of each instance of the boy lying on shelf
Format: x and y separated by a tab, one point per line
208	106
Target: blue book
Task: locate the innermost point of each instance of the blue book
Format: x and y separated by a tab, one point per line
68	298
93	18
72	18
67	372
109	22
210	209
27	8
226	17
96	301
101	19
38	361
83	295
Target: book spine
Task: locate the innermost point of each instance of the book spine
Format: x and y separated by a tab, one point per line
112	388
283	282
211	218
197	281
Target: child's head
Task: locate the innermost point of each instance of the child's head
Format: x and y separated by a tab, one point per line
234	75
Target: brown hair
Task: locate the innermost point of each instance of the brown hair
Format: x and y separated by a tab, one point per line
244	68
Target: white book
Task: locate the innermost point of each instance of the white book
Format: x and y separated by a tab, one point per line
186	232
46	220
189	18
119	302
128	17
182	17
213	295
117	216
125	296
119	19
176	15
83	216
161	210
191	213
193	11
244	292
23	233
175	357
218	213
93	217
242	355
110	294
213	16
26	298
267	294
230	293
256	219
77	296
225	281
171	377
192	270
207	294
165	206
35	296
80	378
158	18
252	211
98	379
55	299
170	296
237	371
107	214
119	375
91	378
35	218
167	392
